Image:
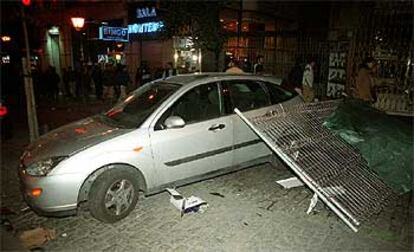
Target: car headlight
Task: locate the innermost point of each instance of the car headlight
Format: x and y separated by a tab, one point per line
43	167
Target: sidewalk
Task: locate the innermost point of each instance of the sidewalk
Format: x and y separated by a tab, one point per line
254	214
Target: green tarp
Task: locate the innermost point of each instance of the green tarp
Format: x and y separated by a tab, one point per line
384	141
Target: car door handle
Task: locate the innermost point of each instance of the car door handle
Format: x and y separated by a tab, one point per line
217	127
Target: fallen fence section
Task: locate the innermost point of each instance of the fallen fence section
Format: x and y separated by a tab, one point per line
330	167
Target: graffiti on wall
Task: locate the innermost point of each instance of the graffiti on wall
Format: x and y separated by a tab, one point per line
337	69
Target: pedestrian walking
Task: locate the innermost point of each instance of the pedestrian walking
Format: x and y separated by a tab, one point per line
365	81
77	73
52	83
65	79
246	66
85	87
169	70
258	68
97	80
142	74
233	68
72	82
122	81
145	74
308	81
108	78
294	78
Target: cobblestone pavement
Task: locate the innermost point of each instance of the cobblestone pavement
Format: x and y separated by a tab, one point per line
255	214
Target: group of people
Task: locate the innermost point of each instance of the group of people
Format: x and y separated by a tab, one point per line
301	78
143	73
364	88
112	81
107	81
102	81
46	84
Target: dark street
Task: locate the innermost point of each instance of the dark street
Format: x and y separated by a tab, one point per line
240	125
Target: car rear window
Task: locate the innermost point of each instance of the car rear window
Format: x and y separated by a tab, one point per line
278	94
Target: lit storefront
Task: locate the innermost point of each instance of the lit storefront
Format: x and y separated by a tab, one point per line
146	47
187	58
145	21
114	38
252	34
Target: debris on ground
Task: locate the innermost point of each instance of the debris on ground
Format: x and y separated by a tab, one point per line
271	205
290	182
24	209
217	194
6	224
8	240
6	211
37	237
191	204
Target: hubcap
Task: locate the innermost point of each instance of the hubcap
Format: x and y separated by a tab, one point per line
118	197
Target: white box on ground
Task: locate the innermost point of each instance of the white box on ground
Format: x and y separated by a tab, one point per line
290	182
182	203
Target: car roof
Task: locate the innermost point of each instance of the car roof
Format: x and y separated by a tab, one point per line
195	78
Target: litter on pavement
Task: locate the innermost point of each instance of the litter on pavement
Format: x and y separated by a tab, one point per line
217	194
186	205
37	237
290	182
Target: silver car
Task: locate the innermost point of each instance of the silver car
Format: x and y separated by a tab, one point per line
167	133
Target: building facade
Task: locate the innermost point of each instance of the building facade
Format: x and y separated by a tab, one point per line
338	35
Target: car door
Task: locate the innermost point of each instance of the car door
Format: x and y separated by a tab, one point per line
203	145
248	96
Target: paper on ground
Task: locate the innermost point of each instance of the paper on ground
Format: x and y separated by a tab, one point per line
290	182
182	203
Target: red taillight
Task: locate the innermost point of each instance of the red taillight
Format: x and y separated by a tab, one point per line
26	2
3	111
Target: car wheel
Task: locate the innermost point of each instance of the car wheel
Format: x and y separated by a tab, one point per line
114	194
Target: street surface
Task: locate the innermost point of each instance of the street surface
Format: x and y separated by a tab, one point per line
249	212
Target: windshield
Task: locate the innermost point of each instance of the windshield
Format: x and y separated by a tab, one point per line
133	111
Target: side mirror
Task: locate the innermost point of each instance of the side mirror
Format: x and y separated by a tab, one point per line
174	122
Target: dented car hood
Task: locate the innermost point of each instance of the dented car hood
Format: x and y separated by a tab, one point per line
72	138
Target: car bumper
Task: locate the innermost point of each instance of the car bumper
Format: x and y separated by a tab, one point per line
58	196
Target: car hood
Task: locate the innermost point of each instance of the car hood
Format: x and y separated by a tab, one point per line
71	138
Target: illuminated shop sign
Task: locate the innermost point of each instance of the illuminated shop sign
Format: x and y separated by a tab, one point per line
146	12
145	27
113	33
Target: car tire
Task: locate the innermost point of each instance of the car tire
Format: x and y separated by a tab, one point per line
114	194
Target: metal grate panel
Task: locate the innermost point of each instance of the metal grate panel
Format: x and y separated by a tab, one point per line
332	168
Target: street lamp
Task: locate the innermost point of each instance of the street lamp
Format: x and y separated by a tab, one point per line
5	38
78	23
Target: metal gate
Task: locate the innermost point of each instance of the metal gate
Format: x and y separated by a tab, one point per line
329	166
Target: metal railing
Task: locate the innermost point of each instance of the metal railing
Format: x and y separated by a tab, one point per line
333	169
